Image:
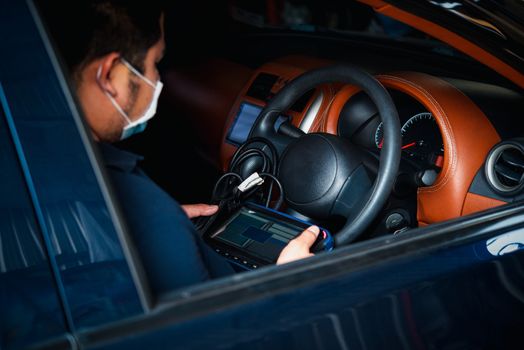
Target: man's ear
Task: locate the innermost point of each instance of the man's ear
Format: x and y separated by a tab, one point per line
105	72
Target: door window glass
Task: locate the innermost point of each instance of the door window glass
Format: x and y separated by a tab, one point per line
29	304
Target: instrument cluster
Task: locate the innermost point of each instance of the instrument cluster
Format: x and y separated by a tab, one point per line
422	144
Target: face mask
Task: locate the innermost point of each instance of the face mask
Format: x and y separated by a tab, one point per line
139	125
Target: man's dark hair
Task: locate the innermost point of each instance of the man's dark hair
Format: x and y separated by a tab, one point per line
84	30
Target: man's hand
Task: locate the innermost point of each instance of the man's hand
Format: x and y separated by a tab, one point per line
298	248
196	210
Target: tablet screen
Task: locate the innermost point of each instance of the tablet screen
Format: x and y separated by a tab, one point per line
258	234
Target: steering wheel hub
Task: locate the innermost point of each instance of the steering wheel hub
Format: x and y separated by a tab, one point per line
314	169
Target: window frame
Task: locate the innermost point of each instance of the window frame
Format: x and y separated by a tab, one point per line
131	255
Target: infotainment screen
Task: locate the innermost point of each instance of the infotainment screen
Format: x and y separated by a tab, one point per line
247	114
255	235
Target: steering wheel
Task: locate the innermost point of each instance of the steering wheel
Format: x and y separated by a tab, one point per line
323	174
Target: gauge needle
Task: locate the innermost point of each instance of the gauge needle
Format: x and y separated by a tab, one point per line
409	145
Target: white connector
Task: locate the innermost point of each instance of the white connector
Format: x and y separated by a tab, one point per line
252	181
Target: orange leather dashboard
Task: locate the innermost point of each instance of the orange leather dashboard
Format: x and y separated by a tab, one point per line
467	133
475	202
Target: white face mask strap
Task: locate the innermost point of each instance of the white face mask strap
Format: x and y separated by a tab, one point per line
113	101
118	108
136	72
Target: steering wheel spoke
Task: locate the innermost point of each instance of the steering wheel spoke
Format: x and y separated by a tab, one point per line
290	130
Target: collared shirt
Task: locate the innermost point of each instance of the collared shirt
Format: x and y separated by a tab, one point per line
172	252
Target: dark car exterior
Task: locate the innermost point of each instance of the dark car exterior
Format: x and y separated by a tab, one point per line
70	277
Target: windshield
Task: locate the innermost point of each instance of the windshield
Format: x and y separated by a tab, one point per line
342	17
497	26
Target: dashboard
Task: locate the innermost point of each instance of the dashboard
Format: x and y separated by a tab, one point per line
448	128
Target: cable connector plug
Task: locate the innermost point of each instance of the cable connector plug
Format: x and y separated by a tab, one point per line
252	181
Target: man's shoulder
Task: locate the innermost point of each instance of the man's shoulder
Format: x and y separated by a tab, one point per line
134	189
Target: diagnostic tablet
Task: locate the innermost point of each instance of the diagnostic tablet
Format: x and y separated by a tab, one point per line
253	235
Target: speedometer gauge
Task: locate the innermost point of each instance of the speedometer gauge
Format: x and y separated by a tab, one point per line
421	139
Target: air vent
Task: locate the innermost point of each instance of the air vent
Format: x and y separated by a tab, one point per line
261	87
505	167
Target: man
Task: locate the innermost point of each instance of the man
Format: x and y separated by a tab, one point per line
112	58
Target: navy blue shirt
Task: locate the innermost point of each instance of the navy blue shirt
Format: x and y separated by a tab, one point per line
172	252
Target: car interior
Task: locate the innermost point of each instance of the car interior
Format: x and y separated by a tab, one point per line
457	143
399	139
